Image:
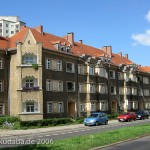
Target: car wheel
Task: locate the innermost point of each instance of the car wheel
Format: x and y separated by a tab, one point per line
106	123
96	123
128	120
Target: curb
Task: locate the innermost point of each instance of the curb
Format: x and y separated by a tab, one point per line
116	143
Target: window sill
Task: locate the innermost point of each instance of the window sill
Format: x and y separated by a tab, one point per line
29	113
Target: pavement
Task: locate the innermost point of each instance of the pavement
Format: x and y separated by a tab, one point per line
9	133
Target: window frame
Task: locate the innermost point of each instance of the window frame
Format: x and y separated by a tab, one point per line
1	63
113	74
73	85
73	67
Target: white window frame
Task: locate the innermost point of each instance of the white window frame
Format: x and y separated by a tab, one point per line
82	87
81	107
92	88
113	74
49	107
73	86
60	107
103	105
145	80
91	70
48	63
134	91
93	106
114	89
102	72
146	92
135	105
72	69
1	86
1	63
102	88
29	59
129	105
80	69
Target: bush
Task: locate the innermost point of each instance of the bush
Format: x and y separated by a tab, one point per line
10	119
113	116
46	122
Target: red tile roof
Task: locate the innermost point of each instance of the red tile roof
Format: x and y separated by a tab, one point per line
145	69
78	49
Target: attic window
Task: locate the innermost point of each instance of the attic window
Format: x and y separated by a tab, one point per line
63	48
68	49
29	42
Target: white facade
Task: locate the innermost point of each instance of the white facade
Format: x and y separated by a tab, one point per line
10	25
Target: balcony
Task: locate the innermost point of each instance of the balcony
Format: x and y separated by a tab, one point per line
29	89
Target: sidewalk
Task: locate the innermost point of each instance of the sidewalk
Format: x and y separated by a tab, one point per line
9	133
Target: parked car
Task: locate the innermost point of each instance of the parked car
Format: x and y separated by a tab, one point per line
142	114
127	116
96	118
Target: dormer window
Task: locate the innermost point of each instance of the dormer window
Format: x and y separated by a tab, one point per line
63	48
68	49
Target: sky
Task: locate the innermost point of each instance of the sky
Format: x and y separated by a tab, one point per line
123	24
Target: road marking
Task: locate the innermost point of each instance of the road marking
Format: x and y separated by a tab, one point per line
55	134
76	131
69	132
62	133
47	135
40	136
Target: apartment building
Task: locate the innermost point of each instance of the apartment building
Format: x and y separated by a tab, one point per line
10	25
46	76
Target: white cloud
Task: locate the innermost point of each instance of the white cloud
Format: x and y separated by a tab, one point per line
143	38
147	16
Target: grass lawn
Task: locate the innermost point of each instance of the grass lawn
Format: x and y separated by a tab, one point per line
90	141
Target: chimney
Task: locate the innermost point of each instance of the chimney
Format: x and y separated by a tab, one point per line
120	54
107	50
80	41
70	37
126	56
39	29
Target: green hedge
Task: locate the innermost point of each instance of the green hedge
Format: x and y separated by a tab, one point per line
10	119
46	122
113	116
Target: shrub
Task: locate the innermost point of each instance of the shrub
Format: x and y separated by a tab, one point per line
10	119
113	116
46	122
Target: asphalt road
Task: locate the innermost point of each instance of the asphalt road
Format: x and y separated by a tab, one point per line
138	144
49	137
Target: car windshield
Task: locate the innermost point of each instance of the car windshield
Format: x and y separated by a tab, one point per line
93	116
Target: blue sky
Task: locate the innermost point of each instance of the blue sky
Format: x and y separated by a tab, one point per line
123	24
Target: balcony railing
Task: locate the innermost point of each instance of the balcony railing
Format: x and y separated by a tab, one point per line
28	89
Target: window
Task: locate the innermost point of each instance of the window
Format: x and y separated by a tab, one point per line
70	86
139	79
102	72
70	67
140	92
134	78
145	80
29	59
102	88
129	105
91	70
60	107
81	107
1	63
12	26
134	91
30	107
63	48
6	31
49	107
6	25
54	85
93	107
12	32
121	90
48	63
80	69
135	105
104	105
146	92
147	105
128	91
1	109
68	49
113	90
82	87
29	83
1	86
92	88
112	74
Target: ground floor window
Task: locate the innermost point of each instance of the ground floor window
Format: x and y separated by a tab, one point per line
55	107
30	107
81	107
1	109
93	106
103	105
147	105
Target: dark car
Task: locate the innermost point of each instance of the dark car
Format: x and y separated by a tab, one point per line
96	118
142	115
127	116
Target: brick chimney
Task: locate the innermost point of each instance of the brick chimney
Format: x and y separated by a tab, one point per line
126	56
80	41
39	29
70	37
120	54
107	50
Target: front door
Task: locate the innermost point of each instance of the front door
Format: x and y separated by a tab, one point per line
114	106
71	109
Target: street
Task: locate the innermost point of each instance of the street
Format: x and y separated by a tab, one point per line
138	144
51	136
